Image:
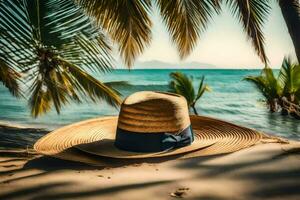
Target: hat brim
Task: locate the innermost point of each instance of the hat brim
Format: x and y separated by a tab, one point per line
96	136
107	148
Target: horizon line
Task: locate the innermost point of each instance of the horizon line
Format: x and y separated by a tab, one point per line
217	68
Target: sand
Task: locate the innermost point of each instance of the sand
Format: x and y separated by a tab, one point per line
264	171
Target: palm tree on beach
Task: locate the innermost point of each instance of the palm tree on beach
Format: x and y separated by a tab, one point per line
282	91
268	86
62	32
51	47
183	85
289	80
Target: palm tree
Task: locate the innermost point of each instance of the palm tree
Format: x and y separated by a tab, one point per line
129	25
51	46
126	22
282	90
183	85
291	13
289	79
268	86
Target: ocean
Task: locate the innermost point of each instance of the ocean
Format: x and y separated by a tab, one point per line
231	99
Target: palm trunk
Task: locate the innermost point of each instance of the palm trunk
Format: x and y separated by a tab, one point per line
273	106
194	109
293	96
291	15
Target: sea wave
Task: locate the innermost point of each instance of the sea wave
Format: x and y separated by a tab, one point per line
16	136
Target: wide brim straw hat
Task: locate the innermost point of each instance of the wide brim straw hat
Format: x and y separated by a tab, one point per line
146	113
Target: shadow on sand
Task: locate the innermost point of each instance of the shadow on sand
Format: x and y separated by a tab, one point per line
280	182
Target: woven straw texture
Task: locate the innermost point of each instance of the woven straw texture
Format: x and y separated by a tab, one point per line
146	112
154	112
218	136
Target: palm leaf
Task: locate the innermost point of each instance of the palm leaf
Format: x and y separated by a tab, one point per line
40	100
54	45
10	78
67	82
16	33
182	85
82	43
252	14
266	83
93	54
15	18
126	21
287	77
16	43
89	86
50	87
202	88
185	20
291	13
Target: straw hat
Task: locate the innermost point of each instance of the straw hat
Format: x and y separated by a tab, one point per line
150	124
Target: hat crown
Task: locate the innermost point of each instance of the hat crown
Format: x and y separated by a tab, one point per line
154	112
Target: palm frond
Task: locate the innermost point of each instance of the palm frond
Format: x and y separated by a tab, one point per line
81	41
182	85
64	82
289	77
266	83
126	21
185	20
65	19
92	54
252	15
202	88
55	53
16	43
291	13
259	82
51	85
40	100
17	39
15	19
91	87
10	78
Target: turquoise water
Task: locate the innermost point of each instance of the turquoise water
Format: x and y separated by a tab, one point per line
231	99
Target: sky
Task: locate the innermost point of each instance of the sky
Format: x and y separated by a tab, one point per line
224	44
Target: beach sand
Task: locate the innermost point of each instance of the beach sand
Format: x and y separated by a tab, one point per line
264	171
